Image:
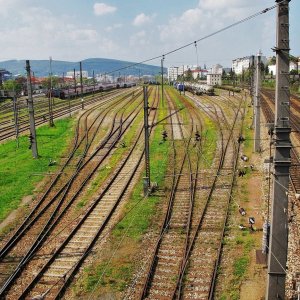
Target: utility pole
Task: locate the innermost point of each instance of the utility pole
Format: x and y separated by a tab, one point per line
252	88
147	155
162	79
277	257
183	80
16	119
257	104
75	85
51	123
94	82
33	142
81	83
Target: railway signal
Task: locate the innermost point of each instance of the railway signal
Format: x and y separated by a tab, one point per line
30	139
241	139
164	135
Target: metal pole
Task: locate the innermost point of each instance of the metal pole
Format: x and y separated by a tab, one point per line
147	155
81	83
257	105
277	258
94	82
15	105
51	124
75	85
31	113
253	82
162	80
69	99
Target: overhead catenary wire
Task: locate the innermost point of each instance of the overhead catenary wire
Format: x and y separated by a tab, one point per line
200	39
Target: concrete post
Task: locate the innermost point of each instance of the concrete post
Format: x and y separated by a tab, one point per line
81	82
257	104
162	80
16	118
31	113
147	154
51	123
277	257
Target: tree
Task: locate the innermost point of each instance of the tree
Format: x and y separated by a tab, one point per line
18	85
189	75
267	70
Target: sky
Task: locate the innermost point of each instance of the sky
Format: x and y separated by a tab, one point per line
136	30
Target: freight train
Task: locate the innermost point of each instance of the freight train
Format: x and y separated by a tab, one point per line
195	88
73	92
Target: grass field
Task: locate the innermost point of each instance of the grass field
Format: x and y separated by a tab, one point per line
19	172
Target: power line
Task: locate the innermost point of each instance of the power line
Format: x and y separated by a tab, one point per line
201	39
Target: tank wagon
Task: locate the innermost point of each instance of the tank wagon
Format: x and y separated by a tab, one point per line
195	88
72	92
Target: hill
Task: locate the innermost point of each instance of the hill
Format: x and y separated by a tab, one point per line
98	65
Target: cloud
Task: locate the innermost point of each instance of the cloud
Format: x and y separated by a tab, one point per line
139	38
183	27
113	27
40	33
101	9
8	6
141	19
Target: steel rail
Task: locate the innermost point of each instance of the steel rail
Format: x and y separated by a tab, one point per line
78	226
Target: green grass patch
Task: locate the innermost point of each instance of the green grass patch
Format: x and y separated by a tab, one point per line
103	275
240	266
20	172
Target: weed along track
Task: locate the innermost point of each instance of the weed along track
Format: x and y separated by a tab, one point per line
55	223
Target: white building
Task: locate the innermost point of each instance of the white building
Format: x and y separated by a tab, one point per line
272	68
70	74
174	72
104	78
241	64
216	69
199	73
214	79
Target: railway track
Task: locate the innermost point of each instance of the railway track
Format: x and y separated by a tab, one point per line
169	250
267	102
54	277
294	111
55	210
199	272
175	269
63	108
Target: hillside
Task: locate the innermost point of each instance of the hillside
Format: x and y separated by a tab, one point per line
99	65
